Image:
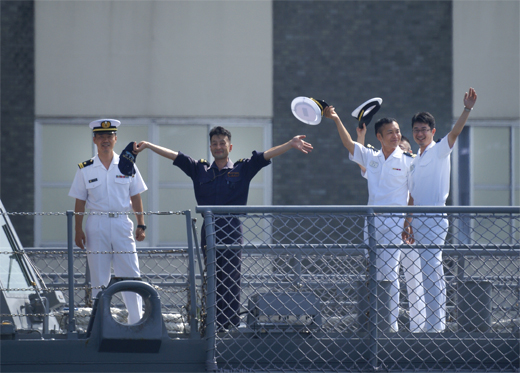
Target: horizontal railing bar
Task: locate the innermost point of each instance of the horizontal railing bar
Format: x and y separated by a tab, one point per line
319	209
450	249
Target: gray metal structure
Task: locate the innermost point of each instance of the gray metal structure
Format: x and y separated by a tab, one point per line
305	272
309	301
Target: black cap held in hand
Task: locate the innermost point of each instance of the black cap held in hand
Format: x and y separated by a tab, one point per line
127	160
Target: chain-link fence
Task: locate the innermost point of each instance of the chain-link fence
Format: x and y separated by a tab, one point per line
166	269
327	288
336	289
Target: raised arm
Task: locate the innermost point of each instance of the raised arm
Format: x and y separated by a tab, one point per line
470	98
165	152
296	142
361	132
330	112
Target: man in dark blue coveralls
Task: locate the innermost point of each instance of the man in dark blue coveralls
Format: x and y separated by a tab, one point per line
225	183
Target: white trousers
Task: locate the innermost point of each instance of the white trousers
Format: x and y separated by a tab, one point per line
113	235
388	231
430	230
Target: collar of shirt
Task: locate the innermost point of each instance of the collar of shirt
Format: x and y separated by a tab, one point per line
432	144
97	161
228	165
397	153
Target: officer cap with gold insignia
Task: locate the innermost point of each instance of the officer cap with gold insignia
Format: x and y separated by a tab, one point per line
308	110
104	125
364	112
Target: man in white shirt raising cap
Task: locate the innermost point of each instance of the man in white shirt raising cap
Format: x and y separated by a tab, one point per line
387	173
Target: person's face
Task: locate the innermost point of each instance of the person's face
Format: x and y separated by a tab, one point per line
105	142
405	146
220	147
389	135
422	134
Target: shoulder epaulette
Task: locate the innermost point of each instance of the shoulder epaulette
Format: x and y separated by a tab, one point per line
86	163
410	154
370	147
203	161
240	160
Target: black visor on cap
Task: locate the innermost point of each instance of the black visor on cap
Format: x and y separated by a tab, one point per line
364	112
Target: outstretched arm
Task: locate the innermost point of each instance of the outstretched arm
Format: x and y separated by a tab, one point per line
296	142
361	132
330	112
469	101
165	152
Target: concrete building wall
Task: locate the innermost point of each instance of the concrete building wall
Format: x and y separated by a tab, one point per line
153	58
486	55
346	52
17	112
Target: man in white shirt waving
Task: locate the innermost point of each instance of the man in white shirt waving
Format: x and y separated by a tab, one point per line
388	175
430	186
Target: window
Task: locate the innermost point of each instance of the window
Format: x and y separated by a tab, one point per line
65	143
486	167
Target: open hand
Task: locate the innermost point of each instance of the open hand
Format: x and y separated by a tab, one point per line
303	146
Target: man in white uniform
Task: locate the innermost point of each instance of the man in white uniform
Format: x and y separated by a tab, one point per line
430	186
387	172
100	187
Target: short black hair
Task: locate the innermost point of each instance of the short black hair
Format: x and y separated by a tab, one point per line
424	117
404	138
381	122
217	131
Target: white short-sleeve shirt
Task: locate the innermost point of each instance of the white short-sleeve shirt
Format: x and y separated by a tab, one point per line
388	179
106	190
430	174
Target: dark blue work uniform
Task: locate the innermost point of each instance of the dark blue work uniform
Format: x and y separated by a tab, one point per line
229	186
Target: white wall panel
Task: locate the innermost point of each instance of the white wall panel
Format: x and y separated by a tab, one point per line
486	55
153	58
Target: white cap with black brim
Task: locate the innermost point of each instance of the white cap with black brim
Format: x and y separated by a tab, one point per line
366	111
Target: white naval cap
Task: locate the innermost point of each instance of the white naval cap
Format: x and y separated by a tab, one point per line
364	112
308	110
105	125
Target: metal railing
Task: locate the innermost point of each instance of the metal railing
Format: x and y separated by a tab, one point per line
314	294
173	272
310	293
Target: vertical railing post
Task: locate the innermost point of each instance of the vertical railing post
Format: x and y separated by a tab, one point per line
196	245
372	289
71	332
191	278
211	303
